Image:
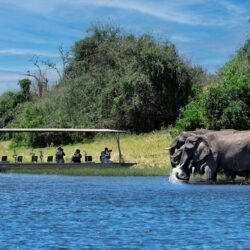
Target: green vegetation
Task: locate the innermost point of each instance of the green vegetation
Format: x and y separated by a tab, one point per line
11	103
113	80
96	171
225	104
122	81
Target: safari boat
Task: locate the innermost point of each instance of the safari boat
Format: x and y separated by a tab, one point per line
49	164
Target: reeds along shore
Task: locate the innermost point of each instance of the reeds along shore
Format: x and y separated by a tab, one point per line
147	150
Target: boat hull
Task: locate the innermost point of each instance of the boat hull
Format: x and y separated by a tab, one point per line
8	166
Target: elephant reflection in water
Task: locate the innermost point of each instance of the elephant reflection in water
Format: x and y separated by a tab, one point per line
213	153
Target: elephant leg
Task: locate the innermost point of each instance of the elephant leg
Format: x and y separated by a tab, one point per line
247	177
233	176
228	176
211	175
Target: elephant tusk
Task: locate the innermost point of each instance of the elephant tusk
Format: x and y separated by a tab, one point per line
180	166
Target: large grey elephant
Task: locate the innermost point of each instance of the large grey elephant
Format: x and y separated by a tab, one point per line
178	142
175	150
212	153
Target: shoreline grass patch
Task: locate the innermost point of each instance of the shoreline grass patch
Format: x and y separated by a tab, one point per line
93	171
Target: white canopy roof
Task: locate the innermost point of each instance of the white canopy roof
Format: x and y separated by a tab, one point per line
18	130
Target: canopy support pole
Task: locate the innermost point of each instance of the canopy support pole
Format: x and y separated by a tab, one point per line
117	137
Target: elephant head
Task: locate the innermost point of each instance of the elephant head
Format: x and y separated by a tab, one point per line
176	157
194	153
179	142
174	150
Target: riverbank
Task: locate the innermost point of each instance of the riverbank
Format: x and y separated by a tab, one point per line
147	150
88	171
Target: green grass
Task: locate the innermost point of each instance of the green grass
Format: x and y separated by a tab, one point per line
147	150
96	171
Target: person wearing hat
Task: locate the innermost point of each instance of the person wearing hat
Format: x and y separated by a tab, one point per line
59	155
76	158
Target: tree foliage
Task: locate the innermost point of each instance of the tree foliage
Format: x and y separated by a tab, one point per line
11	103
226	104
115	80
127	82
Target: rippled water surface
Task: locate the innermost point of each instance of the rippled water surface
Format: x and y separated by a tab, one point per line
58	212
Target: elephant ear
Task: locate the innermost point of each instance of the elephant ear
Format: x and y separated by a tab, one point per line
202	150
173	146
191	142
174	143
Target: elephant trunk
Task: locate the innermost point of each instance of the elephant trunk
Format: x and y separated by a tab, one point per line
182	177
181	174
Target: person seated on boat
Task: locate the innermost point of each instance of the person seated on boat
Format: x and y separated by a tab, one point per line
106	155
76	158
59	155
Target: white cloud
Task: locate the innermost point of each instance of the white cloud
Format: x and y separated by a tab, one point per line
175	11
235	9
9	75
26	52
152	9
180	38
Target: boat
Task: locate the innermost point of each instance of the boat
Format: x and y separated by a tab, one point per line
5	165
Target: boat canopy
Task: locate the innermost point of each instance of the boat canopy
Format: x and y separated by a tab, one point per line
47	130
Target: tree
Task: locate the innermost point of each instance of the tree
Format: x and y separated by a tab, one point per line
25	89
125	79
225	104
40	76
65	58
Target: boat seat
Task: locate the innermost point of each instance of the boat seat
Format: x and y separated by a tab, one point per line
88	158
19	159
34	158
50	158
4	158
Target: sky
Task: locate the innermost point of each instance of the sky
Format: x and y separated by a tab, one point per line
206	32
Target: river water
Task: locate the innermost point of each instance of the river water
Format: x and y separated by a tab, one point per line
61	212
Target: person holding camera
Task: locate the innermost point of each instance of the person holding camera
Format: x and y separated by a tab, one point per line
76	158
106	155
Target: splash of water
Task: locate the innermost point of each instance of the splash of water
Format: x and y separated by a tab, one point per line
173	178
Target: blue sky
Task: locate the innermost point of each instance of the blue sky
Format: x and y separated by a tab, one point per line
207	32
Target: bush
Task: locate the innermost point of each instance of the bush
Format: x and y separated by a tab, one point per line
121	81
192	115
224	105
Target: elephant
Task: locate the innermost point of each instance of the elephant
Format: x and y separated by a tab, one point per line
178	142
231	175
215	152
175	150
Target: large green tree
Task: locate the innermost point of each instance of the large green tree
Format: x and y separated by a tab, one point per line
119	80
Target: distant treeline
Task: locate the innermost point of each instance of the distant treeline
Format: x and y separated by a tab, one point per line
119	80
